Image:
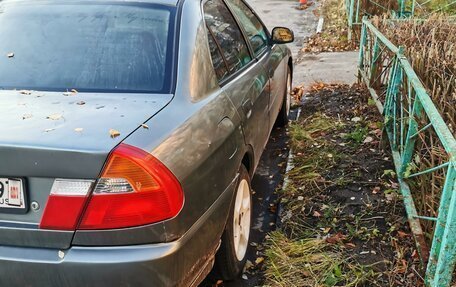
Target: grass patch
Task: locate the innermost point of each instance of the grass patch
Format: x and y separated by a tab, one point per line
311	262
339	209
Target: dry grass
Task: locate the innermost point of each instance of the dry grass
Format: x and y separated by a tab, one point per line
430	46
311	262
377	7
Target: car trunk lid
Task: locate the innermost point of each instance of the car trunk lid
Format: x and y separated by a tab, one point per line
49	135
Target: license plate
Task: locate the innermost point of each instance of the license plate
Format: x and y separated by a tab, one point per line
12	195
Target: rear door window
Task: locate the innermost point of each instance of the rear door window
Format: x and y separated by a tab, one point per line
226	35
220	65
256	33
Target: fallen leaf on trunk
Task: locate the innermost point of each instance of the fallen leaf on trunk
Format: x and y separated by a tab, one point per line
114	133
25	92
54	117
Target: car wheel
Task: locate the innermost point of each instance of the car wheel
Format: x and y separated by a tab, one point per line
231	256
284	114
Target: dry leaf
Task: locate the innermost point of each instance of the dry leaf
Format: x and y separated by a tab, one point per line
54	117
336	238
114	133
316	214
145	126
25	92
73	92
376	190
259	260
350	245
368	140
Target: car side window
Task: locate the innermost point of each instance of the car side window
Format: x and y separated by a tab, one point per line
220	66
227	36
256	33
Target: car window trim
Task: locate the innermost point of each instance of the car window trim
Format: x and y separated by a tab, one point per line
219	49
253	59
268	35
241	28
259	19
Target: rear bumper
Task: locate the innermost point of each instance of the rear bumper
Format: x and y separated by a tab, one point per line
153	265
176	263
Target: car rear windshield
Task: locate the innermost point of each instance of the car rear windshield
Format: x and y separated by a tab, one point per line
87	46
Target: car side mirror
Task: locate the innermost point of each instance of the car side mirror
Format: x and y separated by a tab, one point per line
282	35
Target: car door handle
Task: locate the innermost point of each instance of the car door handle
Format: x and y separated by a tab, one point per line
247	108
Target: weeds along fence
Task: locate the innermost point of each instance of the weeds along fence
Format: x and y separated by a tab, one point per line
357	9
423	148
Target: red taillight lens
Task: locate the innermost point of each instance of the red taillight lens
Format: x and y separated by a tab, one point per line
65	204
134	189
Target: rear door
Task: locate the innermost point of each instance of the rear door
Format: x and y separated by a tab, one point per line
270	57
243	79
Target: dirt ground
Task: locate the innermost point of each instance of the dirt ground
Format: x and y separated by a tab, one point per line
343	221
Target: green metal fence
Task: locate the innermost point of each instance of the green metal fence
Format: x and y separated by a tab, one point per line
414	127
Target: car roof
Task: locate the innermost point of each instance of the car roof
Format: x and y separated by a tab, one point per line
163	2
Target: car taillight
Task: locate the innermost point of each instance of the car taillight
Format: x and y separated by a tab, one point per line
134	189
65	204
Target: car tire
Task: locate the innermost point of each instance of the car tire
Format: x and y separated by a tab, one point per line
232	254
284	114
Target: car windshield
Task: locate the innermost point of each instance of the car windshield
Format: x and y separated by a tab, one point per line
94	46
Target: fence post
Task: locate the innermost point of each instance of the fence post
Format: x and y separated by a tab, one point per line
417	112
439	273
350	19
413	8
401	11
375	58
362	42
391	98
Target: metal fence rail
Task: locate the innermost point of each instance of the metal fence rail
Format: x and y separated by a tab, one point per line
415	129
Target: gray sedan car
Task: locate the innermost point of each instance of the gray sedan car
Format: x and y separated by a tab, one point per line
129	134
